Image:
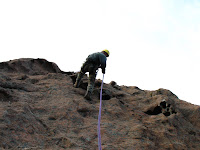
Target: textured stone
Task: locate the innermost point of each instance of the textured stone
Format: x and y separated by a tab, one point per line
40	109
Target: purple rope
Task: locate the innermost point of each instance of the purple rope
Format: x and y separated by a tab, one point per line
99	118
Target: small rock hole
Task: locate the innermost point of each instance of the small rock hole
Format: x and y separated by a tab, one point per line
157	110
163	104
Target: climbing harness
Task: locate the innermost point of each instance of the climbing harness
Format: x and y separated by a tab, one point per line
99	118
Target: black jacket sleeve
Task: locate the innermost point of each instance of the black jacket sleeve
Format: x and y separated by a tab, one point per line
102	60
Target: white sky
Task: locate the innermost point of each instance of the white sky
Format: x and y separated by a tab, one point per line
153	44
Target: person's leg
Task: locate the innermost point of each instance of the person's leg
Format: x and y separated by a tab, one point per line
78	79
80	75
90	87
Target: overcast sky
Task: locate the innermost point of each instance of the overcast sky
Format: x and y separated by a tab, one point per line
153	44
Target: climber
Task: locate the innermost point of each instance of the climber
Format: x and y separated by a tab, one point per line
91	65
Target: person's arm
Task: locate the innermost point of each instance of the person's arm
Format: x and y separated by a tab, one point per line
103	63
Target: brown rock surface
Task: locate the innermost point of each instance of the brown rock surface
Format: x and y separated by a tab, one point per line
40	109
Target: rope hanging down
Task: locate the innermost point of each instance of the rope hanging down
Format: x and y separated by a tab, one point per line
99	118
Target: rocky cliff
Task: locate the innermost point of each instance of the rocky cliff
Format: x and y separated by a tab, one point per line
40	109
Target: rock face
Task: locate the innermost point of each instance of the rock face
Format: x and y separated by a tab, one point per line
40	109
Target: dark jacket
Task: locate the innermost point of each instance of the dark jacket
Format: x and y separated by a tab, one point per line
98	59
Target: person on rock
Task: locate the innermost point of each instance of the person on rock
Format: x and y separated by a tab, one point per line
91	65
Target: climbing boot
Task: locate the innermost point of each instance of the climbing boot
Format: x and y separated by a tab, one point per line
88	95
